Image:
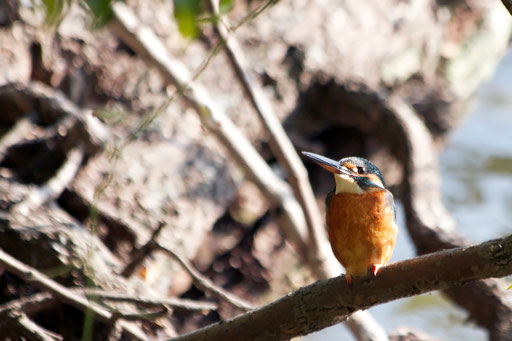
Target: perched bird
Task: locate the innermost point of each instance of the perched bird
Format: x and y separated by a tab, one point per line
361	216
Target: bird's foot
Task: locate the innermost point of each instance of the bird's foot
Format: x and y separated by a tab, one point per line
375	268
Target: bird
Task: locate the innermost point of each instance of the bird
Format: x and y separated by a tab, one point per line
360	215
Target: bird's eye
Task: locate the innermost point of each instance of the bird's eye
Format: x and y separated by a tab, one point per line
361	170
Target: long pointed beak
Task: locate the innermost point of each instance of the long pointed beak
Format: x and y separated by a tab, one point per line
326	163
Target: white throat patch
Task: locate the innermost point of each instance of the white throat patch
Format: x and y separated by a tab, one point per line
345	184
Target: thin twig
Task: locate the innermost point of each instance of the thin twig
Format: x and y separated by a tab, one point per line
508	5
328	302
54	187
280	144
142	40
17	133
141	253
41	281
204	283
28	305
47	99
32	331
116	332
173	302
143	316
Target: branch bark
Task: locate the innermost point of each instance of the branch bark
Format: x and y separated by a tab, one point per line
331	301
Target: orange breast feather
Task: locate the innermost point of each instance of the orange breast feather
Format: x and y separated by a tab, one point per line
362	229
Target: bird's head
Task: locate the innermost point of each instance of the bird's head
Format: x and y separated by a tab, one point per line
352	174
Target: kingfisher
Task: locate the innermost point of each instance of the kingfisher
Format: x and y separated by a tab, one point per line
360	215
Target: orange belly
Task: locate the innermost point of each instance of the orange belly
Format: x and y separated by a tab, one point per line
362	230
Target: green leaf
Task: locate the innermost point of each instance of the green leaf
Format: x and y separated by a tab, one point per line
54	9
101	11
225	6
185	13
510	287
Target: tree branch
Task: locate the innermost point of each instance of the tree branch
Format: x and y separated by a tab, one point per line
140	253
327	302
173	302
64	294
204	283
28	305
31	330
508	5
38	97
17	133
54	187
280	144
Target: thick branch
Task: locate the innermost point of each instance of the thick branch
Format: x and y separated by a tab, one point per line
327	302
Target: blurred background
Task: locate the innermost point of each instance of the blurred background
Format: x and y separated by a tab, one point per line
108	157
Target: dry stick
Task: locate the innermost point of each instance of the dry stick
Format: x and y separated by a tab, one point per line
54	187
28	305
508	5
17	133
32	331
204	283
142	316
362	325
328	302
43	96
280	144
41	281
141	253
116	332
173	302
142	40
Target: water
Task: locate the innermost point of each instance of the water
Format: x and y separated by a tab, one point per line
476	168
